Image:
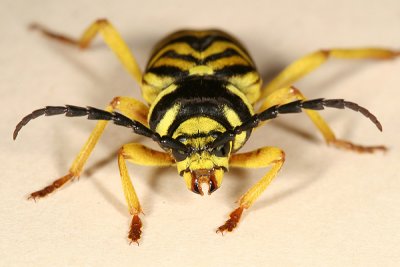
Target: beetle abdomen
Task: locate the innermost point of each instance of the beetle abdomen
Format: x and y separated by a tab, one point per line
210	53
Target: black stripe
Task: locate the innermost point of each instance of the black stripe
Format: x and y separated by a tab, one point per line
233	70
173	54
199	44
199	96
178	73
226	53
169	71
183	137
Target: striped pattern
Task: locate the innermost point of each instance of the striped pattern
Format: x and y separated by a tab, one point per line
188	53
200	74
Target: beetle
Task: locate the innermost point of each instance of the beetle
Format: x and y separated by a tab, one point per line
201	88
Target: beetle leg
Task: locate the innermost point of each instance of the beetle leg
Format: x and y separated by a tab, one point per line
304	65
111	37
289	94
259	158
130	107
140	155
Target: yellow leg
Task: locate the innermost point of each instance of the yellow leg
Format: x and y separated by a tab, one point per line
310	62
130	107
111	37
140	155
259	158
289	94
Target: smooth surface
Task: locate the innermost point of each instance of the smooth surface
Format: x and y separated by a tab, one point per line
327	207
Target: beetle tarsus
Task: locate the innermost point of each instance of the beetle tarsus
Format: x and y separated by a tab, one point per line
343	144
51	188
232	222
53	35
135	230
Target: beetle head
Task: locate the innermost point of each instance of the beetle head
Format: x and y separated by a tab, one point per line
201	164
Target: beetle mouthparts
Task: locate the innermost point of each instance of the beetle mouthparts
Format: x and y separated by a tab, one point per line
203	176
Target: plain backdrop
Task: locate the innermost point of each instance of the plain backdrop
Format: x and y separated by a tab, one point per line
327	207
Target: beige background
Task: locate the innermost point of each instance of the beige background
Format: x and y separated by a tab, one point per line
327	207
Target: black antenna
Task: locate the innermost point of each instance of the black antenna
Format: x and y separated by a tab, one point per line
292	107
165	142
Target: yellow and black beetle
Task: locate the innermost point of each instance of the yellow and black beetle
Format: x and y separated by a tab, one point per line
201	87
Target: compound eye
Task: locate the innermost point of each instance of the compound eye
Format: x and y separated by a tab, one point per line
179	155
223	150
181	138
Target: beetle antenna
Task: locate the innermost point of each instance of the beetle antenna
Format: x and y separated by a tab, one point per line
292	107
98	114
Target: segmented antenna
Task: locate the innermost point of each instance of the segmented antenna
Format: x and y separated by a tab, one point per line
98	114
292	107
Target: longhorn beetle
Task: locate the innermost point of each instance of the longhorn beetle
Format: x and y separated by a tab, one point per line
201	87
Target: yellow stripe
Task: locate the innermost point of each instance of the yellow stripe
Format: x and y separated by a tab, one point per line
221	46
242	96
162	127
227	61
152	85
197	125
201	70
185	49
234	120
180	48
249	84
167	120
174	62
157	81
